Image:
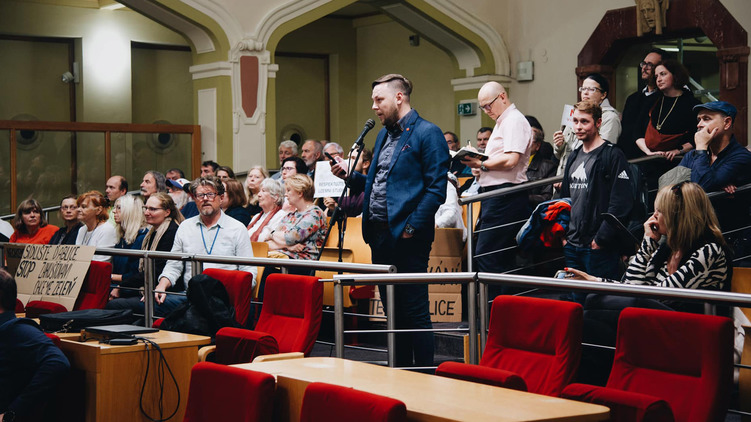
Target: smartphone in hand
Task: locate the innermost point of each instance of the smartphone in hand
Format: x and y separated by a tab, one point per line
331	158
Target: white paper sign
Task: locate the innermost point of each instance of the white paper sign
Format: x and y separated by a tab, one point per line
53	273
567	119
326	184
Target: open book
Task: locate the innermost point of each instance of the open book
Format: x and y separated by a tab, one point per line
465	152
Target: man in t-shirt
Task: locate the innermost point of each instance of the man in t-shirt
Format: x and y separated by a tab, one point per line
597	181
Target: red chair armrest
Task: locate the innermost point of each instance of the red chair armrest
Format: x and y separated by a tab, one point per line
41	307
236	345
482	375
624	405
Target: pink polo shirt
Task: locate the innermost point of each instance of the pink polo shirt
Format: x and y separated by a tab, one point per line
511	133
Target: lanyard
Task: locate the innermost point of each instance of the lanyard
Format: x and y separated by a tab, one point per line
208	251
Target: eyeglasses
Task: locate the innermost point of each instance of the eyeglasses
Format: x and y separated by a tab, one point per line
288	168
647	65
210	196
487	106
589	89
150	209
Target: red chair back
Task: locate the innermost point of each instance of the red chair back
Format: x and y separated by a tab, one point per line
19	306
95	290
538	339
239	285
323	402
684	359
55	339
291	313
40	307
225	393
236	345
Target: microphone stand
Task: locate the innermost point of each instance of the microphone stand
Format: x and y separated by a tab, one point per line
339	217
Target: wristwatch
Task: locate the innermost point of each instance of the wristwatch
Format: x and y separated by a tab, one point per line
409	230
483	168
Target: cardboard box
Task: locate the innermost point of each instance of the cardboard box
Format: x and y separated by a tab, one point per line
444	264
444	307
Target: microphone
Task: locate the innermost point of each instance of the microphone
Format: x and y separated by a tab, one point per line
370	124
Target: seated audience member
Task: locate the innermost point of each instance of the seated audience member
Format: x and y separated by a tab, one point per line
210	233
720	162
175	190
539	166
153	182
352	204
694	255
312	152
292	166
131	229
66	235
225	173
300	233
162	216
174	174
6	231
208	168
92	213
189	209
270	199
31	366
449	214
334	149
115	187
234	201
256	175
457	168
286	149
594	89
30	224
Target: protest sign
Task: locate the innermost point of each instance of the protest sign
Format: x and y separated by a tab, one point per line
53	273
326	184
567	118
13	254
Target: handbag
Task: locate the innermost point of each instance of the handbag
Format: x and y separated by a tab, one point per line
77	320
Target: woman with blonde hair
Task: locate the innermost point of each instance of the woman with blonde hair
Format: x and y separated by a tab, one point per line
130	228
256	175
30	225
694	255
163	218
92	212
300	233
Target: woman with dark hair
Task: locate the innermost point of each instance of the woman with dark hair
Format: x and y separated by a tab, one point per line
234	201
292	166
162	216
66	235
96	231
30	225
594	89
668	127
225	173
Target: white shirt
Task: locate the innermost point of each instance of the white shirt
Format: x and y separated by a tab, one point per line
449	214
265	234
103	236
228	237
511	133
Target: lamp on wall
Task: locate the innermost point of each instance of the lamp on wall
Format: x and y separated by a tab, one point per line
68	77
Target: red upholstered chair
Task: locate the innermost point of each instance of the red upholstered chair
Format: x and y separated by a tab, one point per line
55	339
239	285
94	293
225	393
19	306
666	364
533	345
323	401
289	321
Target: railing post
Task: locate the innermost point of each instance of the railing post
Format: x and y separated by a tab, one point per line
390	325
472	315
339	318
483	313
148	292
196	267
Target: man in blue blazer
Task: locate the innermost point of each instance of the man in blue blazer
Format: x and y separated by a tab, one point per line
403	190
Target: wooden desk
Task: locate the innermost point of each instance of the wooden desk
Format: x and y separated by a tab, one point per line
114	375
428	397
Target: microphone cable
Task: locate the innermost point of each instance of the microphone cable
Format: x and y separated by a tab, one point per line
160	379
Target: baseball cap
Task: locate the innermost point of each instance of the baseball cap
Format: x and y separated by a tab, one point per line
721	106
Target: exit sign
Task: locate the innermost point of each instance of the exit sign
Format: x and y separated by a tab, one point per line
466	109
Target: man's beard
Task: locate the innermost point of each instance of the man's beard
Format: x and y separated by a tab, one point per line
208	211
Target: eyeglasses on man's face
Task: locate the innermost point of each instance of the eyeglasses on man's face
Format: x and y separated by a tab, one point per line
648	65
210	196
589	89
487	106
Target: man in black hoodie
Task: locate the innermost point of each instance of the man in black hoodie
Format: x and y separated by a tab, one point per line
30	364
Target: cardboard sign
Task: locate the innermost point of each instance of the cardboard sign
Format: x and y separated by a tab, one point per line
444	307
326	184
567	119
13	254
53	273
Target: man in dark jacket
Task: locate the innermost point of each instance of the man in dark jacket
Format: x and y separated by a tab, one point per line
597	181
540	166
30	365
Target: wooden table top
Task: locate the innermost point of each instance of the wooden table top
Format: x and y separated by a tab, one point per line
165	340
434	397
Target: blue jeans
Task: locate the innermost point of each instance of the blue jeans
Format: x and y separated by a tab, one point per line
171	302
412	307
596	262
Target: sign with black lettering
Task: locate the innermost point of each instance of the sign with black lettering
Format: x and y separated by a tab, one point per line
53	273
13	254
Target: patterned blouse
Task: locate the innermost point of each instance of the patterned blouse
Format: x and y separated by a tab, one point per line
307	228
706	268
